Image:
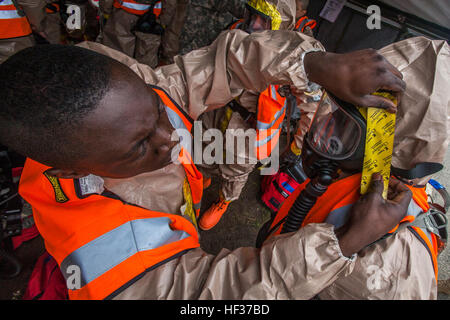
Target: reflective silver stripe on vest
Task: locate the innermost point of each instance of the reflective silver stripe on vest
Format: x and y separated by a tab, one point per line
414	210
9	14
259	143
6	3
158	5
339	216
304	22
178	124
197	206
262	125
110	249
175	119
136	6
238	25
273	92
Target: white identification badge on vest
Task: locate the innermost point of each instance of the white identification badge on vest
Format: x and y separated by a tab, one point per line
91	184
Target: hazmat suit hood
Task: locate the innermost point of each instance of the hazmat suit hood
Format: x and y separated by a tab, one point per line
282	12
423	118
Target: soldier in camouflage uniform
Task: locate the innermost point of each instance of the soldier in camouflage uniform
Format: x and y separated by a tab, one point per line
132	30
206	19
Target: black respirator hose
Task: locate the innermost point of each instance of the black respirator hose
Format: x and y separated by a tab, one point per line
308	197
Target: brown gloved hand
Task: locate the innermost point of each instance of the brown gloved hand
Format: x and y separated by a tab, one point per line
372	216
353	76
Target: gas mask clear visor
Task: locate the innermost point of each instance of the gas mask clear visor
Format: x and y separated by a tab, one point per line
255	21
337	131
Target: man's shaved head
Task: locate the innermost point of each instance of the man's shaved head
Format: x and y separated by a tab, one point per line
81	112
45	92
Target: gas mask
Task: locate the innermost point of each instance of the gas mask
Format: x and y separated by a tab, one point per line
338	133
336	136
335	140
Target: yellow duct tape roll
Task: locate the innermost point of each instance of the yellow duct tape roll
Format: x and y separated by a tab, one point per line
379	143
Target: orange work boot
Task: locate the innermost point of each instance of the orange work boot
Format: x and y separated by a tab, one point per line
212	216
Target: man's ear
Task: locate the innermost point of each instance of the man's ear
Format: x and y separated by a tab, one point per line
66	174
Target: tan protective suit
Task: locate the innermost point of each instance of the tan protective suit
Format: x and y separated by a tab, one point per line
145	47
233	177
421	135
297	265
423	123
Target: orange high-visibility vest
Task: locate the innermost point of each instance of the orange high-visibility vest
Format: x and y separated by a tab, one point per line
270	114
134	7
157	8
52	7
304	22
12	23
334	205
101	243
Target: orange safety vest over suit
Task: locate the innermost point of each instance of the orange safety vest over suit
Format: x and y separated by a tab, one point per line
101	243
303	23
13	22
138	8
335	204
271	109
270	114
15	29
